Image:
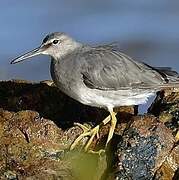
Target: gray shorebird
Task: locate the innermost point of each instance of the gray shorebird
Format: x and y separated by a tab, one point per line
100	76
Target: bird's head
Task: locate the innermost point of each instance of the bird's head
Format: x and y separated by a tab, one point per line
55	45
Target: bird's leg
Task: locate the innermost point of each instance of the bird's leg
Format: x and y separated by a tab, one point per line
113	125
89	132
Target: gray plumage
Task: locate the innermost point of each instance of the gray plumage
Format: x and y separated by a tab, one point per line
101	76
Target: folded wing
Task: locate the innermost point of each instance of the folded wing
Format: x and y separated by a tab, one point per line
108	69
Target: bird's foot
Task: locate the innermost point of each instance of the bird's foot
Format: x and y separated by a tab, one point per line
83	127
101	152
86	132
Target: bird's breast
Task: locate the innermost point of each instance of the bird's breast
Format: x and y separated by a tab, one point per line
66	78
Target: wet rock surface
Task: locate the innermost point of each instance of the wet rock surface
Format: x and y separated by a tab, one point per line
142	149
36	131
35	148
166	108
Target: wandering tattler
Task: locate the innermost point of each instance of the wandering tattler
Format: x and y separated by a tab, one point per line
100	76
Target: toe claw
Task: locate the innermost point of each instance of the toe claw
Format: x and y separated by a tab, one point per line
92	132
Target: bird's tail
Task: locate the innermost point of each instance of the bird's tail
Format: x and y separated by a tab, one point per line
169	74
171	77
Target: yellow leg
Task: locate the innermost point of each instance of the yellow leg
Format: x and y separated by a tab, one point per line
89	132
94	132
113	125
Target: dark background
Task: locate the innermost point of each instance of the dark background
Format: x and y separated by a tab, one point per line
146	30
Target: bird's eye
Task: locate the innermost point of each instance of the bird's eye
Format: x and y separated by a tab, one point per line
55	41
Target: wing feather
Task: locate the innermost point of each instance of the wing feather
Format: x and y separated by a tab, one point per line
108	69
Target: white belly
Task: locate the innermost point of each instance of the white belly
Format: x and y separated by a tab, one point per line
111	99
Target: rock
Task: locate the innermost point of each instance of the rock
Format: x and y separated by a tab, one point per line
34	147
36	131
166	106
52	104
170	166
142	149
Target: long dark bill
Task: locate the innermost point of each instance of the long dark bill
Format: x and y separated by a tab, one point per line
32	53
